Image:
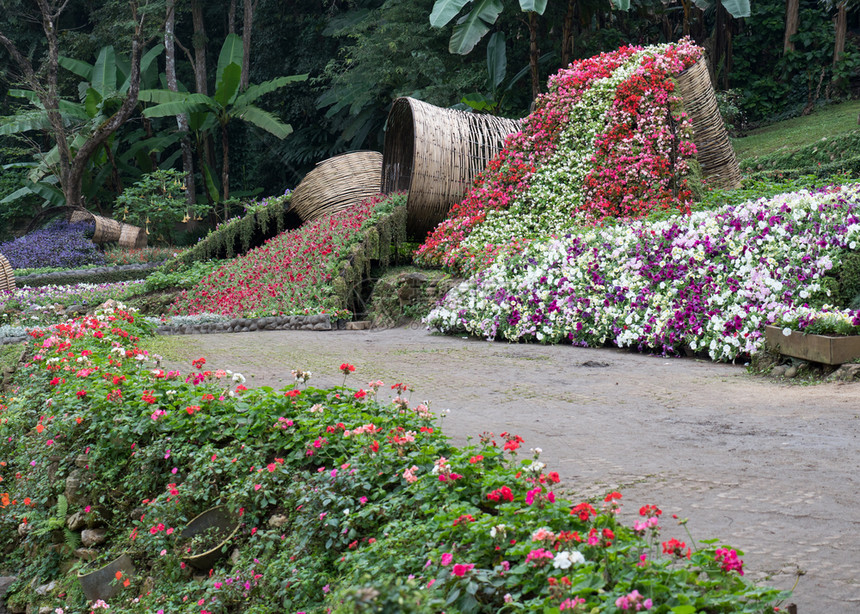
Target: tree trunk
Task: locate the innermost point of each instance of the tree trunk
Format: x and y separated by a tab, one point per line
181	119
247	28
792	8
225	168
534	54
231	18
199	41
567	35
841	24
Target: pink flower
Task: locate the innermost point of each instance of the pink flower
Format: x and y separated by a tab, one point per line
460	569
447	557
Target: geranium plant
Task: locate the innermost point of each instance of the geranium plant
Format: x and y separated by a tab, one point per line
345	498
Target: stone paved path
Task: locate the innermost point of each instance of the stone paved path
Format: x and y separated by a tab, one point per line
770	468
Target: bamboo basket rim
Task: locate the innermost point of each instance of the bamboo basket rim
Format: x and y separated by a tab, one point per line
337	183
435	153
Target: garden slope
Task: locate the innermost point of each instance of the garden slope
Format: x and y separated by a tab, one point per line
708	441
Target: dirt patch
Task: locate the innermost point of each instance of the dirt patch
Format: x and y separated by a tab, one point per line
767	467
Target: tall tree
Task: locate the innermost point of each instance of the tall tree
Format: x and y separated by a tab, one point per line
172	85
227	104
792	9
250	7
472	27
43	82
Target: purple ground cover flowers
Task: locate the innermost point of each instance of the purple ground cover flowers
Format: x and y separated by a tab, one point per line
60	244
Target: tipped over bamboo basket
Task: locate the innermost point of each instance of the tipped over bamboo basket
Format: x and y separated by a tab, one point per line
714	149
7	274
337	183
435	154
110	231
132	237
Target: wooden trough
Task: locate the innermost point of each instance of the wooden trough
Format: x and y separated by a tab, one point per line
714	149
435	154
337	183
7	275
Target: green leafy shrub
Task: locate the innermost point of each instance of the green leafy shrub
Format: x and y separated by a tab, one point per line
262	220
156	202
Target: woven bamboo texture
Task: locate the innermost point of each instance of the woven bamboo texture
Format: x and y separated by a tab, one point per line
715	153
435	154
337	183
7	275
132	237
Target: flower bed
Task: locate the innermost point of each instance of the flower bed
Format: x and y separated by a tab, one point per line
31	305
607	140
294	273
347	499
709	281
60	244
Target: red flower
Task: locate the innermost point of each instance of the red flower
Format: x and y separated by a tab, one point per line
292	393
584	511
347	368
360	394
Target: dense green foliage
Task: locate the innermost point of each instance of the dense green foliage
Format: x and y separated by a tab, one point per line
362	54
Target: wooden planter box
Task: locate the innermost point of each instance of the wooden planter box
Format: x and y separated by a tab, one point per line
815	348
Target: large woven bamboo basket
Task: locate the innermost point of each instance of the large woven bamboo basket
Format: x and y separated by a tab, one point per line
107	230
80	215
435	154
715	153
132	237
7	275
337	183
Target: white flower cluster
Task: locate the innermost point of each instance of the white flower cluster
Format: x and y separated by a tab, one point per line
708	281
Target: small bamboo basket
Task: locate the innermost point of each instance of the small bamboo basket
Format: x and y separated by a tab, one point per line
435	154
132	237
337	183
7	275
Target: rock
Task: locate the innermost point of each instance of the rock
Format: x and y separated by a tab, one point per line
360	325
46	609
791	372
82	461
77	521
23	529
277	521
846	373
86	554
778	371
93	537
234	556
5	583
74	487
46	588
415	278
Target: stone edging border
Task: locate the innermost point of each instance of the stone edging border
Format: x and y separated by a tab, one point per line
320	322
244	325
46	278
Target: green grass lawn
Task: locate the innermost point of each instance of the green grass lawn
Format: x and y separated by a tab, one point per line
798	132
